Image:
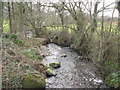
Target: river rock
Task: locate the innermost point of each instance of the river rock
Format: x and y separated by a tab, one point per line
42	55
50	72
33	81
55	64
54	57
63	55
80	57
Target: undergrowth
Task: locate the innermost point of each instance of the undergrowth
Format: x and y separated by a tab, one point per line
16	61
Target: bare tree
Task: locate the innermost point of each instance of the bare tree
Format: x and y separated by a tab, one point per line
60	10
1	29
95	15
10	18
76	11
77	14
118	8
1	17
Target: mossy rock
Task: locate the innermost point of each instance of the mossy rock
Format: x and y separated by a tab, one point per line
33	81
55	64
47	67
50	72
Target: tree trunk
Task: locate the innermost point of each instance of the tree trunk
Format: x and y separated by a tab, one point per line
118	7
1	18
14	21
95	17
10	19
1	51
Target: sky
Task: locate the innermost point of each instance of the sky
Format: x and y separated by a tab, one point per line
107	2
109	13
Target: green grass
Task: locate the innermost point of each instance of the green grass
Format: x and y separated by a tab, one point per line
6	27
54	28
60	28
99	28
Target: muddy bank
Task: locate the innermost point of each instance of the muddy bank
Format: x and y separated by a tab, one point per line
74	72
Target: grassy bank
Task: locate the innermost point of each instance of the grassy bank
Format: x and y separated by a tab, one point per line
20	60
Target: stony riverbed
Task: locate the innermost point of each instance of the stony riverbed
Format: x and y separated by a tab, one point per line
74	72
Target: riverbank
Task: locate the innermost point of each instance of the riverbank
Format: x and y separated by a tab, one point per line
22	65
31	59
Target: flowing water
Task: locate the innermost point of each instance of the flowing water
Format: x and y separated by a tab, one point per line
74	72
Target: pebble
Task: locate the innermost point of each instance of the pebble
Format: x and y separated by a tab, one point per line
63	55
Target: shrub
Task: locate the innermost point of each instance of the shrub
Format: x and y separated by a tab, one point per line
16	40
19	42
104	54
110	66
32	54
13	36
113	79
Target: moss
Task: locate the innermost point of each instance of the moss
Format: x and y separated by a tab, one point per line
46	67
33	81
50	72
55	65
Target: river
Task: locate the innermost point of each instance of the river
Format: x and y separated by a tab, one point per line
74	72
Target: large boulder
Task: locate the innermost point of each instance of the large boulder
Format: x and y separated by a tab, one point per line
55	64
33	79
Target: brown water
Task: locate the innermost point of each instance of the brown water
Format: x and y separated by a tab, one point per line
74	72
